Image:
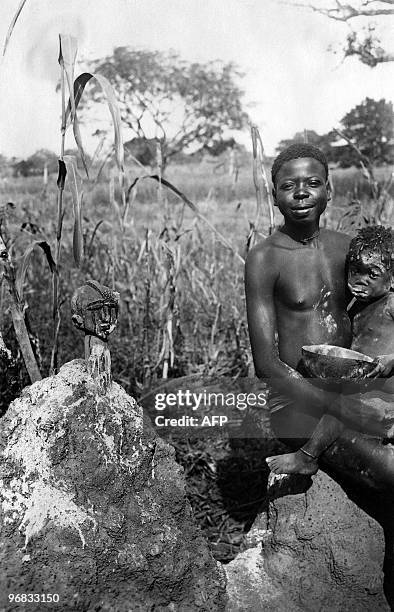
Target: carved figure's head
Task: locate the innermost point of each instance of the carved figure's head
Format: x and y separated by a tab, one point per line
94	309
370	263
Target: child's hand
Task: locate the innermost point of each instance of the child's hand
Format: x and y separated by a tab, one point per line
384	366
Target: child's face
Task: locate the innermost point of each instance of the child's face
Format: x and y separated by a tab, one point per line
368	277
301	190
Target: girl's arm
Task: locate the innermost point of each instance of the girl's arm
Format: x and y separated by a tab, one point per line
384	366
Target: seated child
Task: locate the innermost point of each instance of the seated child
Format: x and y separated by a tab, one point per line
370	279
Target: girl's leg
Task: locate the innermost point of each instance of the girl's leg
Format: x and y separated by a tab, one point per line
304	460
328	429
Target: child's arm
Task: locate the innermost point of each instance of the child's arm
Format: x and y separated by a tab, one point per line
384	366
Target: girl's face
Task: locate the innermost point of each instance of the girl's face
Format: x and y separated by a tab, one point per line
301	190
368	277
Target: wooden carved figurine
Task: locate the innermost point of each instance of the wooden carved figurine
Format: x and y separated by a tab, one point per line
94	310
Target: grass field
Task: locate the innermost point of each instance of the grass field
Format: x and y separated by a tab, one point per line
159	240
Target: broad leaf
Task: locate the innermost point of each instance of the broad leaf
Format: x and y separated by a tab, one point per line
12	25
25	261
68	53
77	198
79	86
62	173
68	48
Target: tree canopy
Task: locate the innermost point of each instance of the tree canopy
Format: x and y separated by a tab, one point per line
323	141
368	125
181	104
36	163
363	40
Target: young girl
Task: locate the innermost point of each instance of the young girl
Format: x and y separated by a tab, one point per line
370	279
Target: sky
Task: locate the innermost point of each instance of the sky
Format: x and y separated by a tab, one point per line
292	82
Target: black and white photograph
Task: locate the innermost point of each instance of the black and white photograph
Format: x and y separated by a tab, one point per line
196	305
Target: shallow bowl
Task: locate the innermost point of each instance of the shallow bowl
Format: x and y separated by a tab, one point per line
327	361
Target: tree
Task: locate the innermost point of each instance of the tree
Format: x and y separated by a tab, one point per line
142	149
323	141
183	105
5	166
35	164
370	125
217	148
366	45
306	136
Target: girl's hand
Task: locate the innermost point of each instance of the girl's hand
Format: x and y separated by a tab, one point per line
384	366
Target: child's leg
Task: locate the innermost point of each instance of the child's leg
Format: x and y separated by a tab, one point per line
304	461
370	412
328	429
